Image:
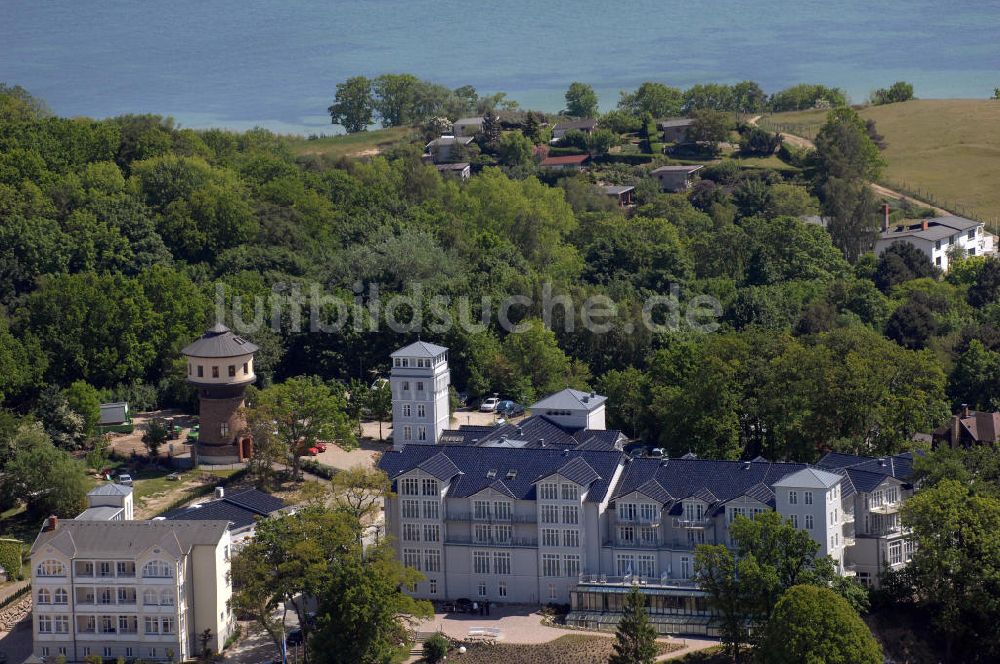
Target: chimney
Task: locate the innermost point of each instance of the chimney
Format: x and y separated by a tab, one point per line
885	218
923	225
881	462
956	423
965	410
51	523
541	442
220	492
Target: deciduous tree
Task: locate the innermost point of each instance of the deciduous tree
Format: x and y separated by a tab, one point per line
353	105
581	101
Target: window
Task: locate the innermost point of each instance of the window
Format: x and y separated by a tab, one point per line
406	383
571	538
795	520
421	433
502	511
625	565
62	597
126	568
420	386
502	589
550	564
626	511
552	591
105	569
550	537
626	535
407	432
685	567
550	514
84	568
108	625
548	491
571	514
972	234
908	548
432	532
215	372
105	596
411	558
431	509
646	565
246	368
201	371
430	487
481	562
224	429
45	624
809	521
167	598
481	533
694	511
232	370
411	509
695	537
501	562
503	534
60	624
157	569
85	596
51	568
421	410
128	624
736	511
648	513
895	553
793	497
808	497
407	411
45	651
432	560
937	244
86	624
571	564
833	517
409	486
107	651
937	261
151	625
482	590
481	510
44	596
570	492
433	587
150	598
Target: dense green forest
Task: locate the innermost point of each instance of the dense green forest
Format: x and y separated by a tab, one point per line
119	235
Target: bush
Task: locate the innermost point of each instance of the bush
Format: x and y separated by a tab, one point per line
624	158
319	469
759	142
436	648
10	558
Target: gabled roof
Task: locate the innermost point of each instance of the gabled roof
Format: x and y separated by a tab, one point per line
450	140
518	468
938	228
679	122
704	493
129	538
570	399
575	124
761	493
899	466
653	489
469	121
241	509
575	470
532	432
810	478
420	349
500	487
616	189
110	489
439	466
690	168
219	341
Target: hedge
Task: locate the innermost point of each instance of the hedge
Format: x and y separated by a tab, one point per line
625	158
319	469
564	152
204	490
11	558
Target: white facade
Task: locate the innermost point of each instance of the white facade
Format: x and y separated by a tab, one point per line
419	380
573	409
937	237
812	499
134	589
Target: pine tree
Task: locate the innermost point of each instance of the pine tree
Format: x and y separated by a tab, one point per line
635	640
489	137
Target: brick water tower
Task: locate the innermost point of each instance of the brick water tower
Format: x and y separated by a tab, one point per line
220	365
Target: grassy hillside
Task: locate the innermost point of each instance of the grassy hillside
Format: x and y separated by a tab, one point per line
349	145
945	149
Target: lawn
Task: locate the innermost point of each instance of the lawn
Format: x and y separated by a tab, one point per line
576	648
944	149
362	143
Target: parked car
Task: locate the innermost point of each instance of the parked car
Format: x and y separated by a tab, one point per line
656	453
174	476
489	405
312	451
294	638
510	409
463	605
193	434
125	478
378	383
321	447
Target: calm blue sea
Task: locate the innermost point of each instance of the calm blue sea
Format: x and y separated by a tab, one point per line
274	63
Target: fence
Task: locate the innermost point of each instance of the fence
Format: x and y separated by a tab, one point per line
807	130
992	222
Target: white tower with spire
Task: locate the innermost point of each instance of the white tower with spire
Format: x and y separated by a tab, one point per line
420	406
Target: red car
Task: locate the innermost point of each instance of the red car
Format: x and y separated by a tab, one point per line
313	451
321	447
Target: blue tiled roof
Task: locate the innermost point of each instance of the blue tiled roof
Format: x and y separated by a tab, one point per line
518	469
899	466
440	466
242	509
534	431
713	481
577	470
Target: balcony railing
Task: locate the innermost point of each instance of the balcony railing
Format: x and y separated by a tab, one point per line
491	518
662	580
885	508
848	517
684	522
849	541
512	542
637	520
633	544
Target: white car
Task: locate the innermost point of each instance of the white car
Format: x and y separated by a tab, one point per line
489	405
125	479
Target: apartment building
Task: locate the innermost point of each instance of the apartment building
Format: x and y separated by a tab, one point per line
419	380
106	585
579	526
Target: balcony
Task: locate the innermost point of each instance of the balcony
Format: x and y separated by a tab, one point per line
661	581
849	541
848	517
512	542
514	518
885	508
684	522
633	544
637	520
